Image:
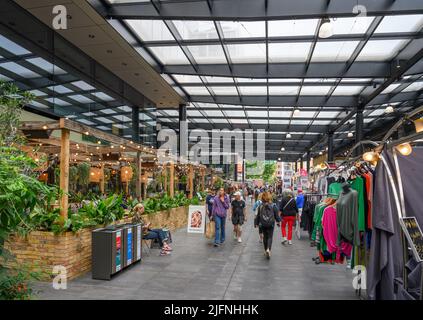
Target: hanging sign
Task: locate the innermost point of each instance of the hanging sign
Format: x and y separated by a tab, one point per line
118	251
414	236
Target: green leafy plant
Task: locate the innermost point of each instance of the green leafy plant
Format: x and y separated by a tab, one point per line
15	284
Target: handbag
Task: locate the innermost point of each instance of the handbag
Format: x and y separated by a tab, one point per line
210	229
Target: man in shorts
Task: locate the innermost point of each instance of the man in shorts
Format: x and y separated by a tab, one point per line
238	215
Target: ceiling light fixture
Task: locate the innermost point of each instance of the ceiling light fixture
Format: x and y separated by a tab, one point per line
350	134
405	149
389	109
326	29
288	136
282	149
297	112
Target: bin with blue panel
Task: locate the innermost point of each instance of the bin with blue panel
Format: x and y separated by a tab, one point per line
115	248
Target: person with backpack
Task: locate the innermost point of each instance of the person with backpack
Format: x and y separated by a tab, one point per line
266	218
220	207
257	205
289	213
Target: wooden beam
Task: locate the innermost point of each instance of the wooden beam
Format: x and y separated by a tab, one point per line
64	172
39	125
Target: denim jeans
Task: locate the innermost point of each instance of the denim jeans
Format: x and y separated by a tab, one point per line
220	229
158	234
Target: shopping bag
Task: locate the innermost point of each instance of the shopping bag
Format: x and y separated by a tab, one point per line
210	230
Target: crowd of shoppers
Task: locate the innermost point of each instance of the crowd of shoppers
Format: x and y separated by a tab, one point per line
270	209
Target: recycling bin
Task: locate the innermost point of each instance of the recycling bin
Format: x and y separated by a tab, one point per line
115	248
107	252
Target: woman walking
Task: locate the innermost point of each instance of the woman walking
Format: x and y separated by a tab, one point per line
289	213
266	218
238	215
221	205
255	207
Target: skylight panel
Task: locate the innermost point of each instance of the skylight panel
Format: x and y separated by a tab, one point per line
235	113
85	121
197	91
256	90
46	66
83	85
415	86
107	111
170	55
103	96
288	52
213	113
348	90
247	53
329	51
150	30
354	25
12	47
182	78
381	50
400	23
208	54
241	29
227	91
315	91
219	80
288	28
19	70
390	88
284	90
258	114
125	108
80	98
38	105
196	29
105	120
60	89
58	102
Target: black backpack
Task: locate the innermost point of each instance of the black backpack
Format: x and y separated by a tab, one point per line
267	215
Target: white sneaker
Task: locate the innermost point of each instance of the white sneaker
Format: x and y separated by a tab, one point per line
289	241
239	240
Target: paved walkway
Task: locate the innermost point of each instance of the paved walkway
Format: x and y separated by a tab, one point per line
197	270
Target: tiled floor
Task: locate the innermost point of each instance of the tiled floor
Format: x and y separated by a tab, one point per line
197	270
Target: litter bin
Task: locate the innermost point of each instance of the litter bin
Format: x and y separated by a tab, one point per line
107	252
115	248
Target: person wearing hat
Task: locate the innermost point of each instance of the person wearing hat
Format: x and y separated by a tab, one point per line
238	215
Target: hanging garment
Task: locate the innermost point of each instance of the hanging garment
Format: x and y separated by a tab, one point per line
347	217
358	185
386	249
335	189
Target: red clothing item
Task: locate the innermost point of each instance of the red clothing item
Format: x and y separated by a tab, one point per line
330	228
288	220
369	188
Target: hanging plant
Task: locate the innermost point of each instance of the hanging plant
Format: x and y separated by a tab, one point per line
84	174
73	177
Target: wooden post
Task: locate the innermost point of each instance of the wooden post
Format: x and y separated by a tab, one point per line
138	190
145	180
171	179
190	181
102	179
64	172
203	179
165	179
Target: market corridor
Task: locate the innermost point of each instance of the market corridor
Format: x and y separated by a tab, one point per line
197	270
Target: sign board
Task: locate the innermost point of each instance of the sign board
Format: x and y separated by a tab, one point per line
196	219
129	246
118	251
414	236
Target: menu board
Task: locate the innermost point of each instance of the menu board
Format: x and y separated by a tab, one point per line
414	236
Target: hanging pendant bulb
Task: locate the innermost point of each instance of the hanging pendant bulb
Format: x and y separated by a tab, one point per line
326	29
370	156
296	112
389	109
288	136
350	134
419	125
405	149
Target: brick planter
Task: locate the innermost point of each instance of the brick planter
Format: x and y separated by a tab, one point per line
43	250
